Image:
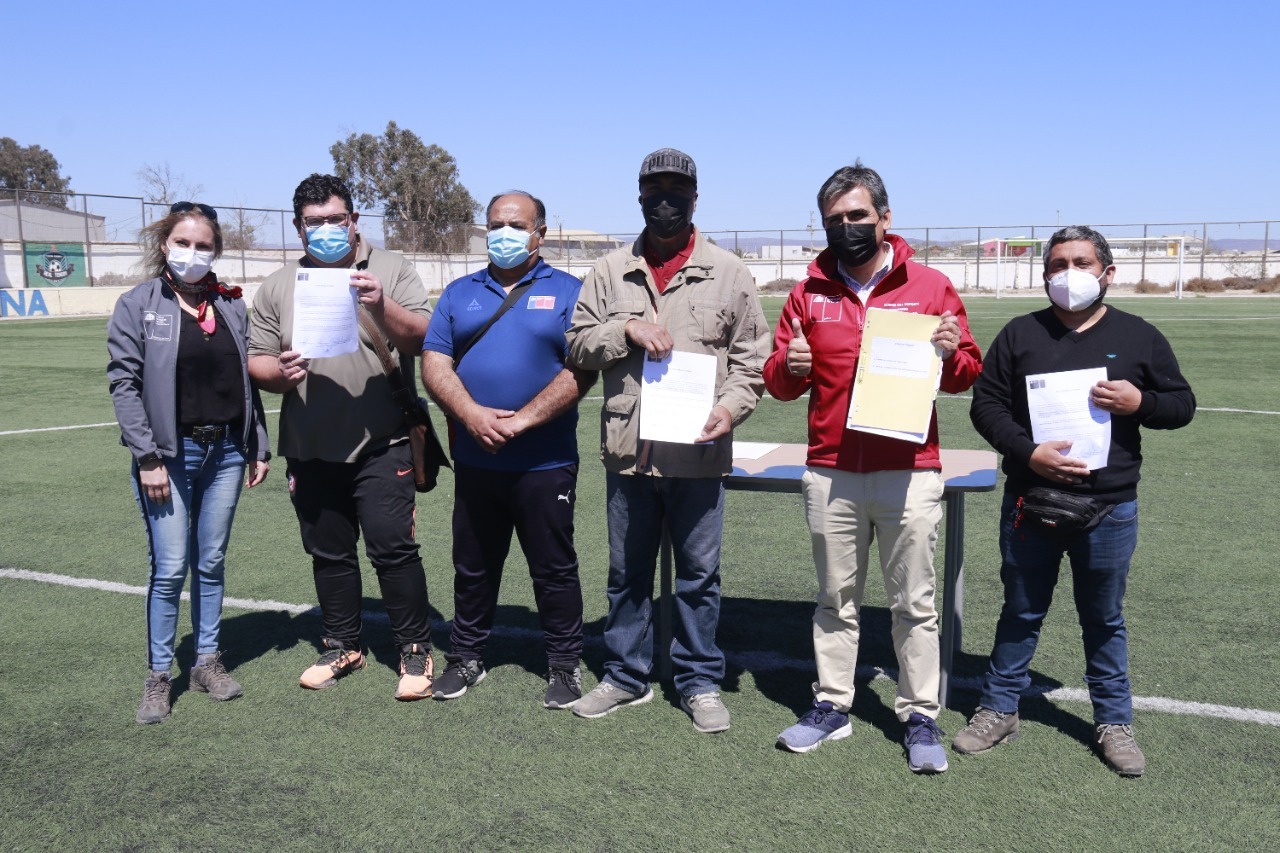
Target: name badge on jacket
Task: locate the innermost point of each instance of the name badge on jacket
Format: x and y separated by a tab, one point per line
157	327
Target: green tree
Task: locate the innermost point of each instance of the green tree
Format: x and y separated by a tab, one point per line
31	167
416	185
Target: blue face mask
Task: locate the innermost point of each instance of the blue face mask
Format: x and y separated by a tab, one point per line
508	247
328	243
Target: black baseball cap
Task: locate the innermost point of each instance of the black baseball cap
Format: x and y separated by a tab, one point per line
669	160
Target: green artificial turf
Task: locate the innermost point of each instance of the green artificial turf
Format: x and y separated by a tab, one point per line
351	769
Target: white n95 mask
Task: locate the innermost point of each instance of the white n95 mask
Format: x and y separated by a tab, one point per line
1073	290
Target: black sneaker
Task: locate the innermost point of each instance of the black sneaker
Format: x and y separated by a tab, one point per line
458	675
564	688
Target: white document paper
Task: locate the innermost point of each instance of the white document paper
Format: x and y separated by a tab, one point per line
324	313
1061	410
901	357
752	449
677	396
899	434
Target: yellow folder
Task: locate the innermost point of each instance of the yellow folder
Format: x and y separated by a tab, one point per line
897	377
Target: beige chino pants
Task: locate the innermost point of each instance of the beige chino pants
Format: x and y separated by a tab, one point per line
846	513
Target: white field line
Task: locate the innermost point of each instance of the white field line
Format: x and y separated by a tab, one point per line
1181	319
589	399
111	586
750	661
57	428
80	426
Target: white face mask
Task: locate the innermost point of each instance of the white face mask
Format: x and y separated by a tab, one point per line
1073	290
188	264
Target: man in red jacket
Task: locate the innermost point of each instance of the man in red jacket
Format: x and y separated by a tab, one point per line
861	487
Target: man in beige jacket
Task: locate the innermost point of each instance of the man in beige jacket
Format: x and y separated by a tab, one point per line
671	290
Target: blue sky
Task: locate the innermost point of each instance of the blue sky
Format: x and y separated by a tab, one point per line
996	114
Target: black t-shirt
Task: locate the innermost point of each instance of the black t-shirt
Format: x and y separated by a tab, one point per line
210	380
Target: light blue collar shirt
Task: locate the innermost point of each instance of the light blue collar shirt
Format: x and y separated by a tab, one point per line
860	290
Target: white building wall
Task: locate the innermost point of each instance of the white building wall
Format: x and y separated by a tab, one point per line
251	267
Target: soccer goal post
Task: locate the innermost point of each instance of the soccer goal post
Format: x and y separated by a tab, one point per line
1158	260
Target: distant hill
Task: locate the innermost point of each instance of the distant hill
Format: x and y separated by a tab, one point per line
754	242
1243	245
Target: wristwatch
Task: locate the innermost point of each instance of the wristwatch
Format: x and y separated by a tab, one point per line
153	456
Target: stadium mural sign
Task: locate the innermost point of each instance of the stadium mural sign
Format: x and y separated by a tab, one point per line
55	265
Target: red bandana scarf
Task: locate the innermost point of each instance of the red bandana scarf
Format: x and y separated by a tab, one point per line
209	285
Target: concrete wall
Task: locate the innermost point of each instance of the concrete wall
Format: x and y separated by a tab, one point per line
438	270
42	224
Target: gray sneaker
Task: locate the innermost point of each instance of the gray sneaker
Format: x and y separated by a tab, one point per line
1119	750
209	675
155	698
708	712
607	698
985	730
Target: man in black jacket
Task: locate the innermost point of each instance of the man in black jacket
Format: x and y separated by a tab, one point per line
1143	387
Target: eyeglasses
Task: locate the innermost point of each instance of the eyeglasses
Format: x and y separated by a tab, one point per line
205	210
334	219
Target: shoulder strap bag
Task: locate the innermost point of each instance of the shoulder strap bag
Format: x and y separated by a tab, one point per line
428	455
512	297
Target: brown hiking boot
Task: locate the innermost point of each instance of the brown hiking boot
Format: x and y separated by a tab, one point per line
985	730
1119	750
416	669
155	699
332	665
211	677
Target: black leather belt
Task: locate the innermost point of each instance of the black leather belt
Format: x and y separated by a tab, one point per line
206	434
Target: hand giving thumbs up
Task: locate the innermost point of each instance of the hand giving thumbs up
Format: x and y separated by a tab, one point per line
799	355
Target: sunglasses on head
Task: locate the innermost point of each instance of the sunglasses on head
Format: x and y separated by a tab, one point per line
205	210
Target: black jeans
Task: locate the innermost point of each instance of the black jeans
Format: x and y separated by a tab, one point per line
538	506
335	502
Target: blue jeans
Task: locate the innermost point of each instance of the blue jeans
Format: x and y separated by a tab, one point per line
694	513
1099	571
190	531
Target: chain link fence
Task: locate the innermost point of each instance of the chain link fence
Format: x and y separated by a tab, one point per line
42	235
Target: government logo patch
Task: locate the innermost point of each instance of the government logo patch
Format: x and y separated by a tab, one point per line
825	309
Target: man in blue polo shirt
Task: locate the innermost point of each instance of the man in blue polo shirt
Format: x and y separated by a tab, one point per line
512	405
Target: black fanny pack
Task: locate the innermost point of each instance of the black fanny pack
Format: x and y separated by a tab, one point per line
1060	513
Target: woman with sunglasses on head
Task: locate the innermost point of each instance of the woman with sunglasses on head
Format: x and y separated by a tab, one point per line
190	417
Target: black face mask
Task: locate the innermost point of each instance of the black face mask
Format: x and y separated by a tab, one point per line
853	243
666	214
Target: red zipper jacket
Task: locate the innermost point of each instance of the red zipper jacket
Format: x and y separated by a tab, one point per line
832	318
